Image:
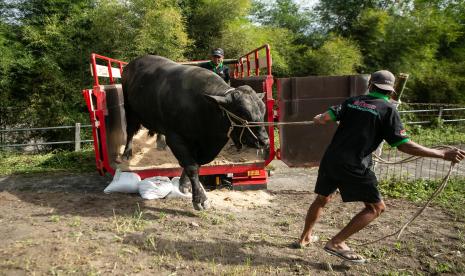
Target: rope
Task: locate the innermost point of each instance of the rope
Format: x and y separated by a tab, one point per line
434	195
244	124
257	124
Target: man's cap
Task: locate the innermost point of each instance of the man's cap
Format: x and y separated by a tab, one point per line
218	52
383	79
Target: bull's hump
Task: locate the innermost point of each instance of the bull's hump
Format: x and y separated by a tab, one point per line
201	80
154	62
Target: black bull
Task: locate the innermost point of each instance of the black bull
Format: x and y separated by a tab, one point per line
183	103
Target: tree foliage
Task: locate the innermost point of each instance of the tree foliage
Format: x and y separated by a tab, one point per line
45	44
337	56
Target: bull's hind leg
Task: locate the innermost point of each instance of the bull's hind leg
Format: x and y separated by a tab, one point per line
161	142
132	127
184	183
191	169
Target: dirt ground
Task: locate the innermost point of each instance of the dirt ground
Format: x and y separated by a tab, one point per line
64	224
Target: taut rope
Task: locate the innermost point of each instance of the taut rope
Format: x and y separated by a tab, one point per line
244	124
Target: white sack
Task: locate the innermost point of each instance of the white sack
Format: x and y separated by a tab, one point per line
176	193
155	187
123	182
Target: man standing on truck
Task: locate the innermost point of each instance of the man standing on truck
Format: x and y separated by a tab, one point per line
364	121
216	64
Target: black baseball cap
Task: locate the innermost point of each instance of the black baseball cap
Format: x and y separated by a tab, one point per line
218	52
383	79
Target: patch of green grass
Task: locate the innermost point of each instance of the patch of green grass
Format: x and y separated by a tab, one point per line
56	161
55	218
123	224
439	134
452	198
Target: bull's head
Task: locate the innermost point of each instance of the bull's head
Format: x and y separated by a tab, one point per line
245	103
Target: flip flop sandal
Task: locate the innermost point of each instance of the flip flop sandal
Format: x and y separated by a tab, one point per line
298	245
343	254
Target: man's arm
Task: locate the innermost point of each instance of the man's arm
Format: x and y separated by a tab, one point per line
322	118
412	148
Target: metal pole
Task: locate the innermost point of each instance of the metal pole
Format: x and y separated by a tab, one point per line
440	114
400	85
77	137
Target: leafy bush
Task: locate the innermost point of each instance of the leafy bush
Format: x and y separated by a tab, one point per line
57	161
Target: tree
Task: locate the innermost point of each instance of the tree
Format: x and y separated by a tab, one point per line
337	56
417	42
283	14
339	15
207	19
162	32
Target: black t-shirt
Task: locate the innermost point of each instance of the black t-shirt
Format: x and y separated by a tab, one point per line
364	122
222	70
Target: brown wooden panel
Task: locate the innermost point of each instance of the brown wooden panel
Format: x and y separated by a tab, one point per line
115	121
256	82
300	99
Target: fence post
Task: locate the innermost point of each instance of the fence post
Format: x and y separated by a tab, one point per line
77	137
440	114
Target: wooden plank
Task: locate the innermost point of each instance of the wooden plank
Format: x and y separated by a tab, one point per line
102	71
261	64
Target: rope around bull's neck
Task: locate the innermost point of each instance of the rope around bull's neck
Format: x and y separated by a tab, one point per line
246	124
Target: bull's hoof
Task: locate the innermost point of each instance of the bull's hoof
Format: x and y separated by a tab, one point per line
161	145
201	206
161	148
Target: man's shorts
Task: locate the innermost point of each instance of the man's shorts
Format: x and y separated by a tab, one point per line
352	187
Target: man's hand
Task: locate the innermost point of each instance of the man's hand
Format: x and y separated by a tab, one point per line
454	155
321	119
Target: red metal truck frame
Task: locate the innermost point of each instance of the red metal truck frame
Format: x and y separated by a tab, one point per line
244	175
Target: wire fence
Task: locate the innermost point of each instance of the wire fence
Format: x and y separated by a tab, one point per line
429	125
427	114
28	139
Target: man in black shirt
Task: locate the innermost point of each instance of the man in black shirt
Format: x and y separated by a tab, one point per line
216	64
364	122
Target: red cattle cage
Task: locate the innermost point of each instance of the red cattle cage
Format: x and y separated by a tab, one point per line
105	103
298	98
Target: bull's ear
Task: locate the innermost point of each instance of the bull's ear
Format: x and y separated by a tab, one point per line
222	100
261	95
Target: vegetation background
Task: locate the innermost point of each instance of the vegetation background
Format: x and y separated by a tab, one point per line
45	45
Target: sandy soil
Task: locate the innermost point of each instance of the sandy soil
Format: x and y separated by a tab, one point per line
64	224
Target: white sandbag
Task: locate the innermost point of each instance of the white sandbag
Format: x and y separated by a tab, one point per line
155	187
123	182
176	193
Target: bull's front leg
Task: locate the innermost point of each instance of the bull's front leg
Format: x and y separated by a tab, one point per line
199	196
181	151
